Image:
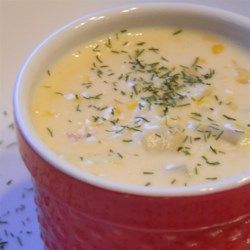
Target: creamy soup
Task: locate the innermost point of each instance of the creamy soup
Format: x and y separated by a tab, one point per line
150	106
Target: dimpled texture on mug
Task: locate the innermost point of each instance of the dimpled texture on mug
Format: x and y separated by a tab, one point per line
63	228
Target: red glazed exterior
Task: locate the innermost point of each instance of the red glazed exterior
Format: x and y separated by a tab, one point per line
78	216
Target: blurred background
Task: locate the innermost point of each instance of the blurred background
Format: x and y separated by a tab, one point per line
23	24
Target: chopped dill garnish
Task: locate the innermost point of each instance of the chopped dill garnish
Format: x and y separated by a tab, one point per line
142	118
98	59
147	172
219	135
96	48
196	60
120	155
153	49
58	93
213	149
210	74
78	108
108	43
173	181
9	182
93	97
196	114
98	108
210	119
196	170
127	140
135	89
140	43
229	118
177	32
183	105
95	118
212	178
139	52
50	132
210	162
11	125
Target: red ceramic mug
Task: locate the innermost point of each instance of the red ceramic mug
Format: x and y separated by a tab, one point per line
77	210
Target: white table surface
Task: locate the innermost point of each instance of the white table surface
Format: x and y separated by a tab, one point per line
23	24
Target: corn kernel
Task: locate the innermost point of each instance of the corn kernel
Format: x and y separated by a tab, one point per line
243	76
217	48
117	111
159	110
205	101
48	113
171	122
132	105
202	60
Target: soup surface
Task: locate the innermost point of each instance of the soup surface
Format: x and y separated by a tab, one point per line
151	106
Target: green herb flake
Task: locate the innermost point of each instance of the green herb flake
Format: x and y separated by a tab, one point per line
115	51
58	93
153	49
140	43
219	135
120	155
96	97
229	118
139	52
213	150
177	32
196	170
210	162
9	182
98	59
196	60
95	118
142	118
196	114
50	132
127	140
148	172
11	126
78	108
173	181
183	105
19	241
212	178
